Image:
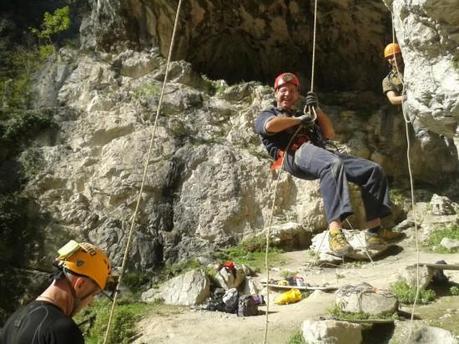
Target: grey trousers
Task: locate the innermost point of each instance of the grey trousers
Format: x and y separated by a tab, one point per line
334	170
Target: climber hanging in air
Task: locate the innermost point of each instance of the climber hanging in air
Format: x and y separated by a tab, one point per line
393	88
82	271
309	159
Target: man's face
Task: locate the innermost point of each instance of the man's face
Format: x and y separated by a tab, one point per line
395	60
86	292
286	96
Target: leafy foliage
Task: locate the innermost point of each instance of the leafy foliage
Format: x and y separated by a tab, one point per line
123	322
454	290
407	294
53	23
19	239
296	338
127	314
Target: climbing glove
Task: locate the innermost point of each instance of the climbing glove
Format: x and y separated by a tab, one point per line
312	100
306	121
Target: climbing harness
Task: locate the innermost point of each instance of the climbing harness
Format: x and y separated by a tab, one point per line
147	161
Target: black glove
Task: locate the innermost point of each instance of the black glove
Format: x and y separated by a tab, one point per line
312	100
306	121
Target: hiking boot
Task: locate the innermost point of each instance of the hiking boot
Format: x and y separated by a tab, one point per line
338	243
389	235
375	241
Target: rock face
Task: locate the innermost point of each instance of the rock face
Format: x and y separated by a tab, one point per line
248	40
427	33
208	182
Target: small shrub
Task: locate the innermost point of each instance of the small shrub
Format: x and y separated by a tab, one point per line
123	322
454	290
296	338
433	242
406	294
251	254
147	91
53	23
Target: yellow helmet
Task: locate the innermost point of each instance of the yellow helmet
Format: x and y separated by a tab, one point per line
391	49
85	259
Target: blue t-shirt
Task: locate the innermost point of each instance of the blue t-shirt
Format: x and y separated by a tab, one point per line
275	141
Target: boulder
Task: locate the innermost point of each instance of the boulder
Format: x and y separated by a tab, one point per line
331	332
191	288
366	299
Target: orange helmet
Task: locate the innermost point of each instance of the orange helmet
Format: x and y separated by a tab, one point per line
85	259
391	49
286	78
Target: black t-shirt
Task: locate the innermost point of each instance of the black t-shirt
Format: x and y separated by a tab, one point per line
40	322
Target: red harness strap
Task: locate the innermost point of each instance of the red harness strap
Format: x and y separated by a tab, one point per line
281	153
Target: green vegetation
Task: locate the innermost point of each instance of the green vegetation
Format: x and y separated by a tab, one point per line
398	196
20	237
433	242
252	253
407	294
53	24
147	91
454	290
296	338
127	314
19	240
176	269
337	313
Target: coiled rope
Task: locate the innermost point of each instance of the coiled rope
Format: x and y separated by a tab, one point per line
147	161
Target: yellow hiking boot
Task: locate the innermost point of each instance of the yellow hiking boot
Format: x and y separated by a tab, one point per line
338	243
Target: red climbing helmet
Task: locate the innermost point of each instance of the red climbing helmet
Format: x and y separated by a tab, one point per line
286	78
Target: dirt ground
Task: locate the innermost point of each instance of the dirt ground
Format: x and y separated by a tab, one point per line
197	326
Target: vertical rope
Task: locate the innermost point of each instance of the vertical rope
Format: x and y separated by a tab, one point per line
314	32
413	203
147	162
268	228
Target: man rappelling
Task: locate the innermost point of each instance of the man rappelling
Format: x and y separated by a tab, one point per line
307	157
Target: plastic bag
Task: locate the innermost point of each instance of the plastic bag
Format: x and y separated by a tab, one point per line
291	296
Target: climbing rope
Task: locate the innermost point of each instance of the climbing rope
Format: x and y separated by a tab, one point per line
270	219
413	203
147	162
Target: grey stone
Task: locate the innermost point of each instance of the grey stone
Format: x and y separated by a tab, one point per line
441	205
365	298
450	244
331	332
191	288
419	333
410	276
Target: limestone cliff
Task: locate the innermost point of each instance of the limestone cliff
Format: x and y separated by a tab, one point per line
209	182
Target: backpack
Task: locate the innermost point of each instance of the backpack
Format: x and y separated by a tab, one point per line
247	306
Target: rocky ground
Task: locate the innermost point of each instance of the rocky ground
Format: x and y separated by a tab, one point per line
196	326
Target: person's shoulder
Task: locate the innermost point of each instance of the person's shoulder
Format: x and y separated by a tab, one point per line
64	327
270	110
